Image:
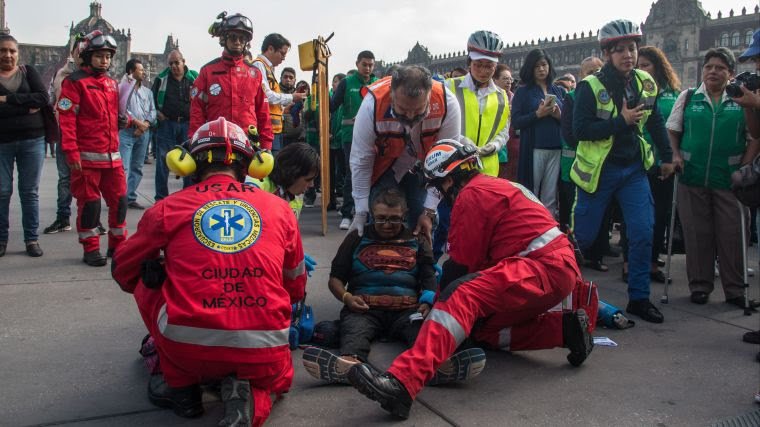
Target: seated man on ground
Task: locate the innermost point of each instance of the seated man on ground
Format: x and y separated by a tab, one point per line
391	288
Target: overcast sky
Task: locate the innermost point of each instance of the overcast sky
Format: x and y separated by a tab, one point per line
389	28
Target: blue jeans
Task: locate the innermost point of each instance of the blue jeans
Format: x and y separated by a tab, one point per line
64	183
168	135
29	155
630	187
132	150
413	187
276	143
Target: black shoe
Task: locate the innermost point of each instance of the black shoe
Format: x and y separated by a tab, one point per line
3	247
236	396
109	252
185	402
135	205
699	297
660	262
33	249
94	259
382	388
597	265
646	310
576	336
739	302
60	225
659	277
752	337
101	230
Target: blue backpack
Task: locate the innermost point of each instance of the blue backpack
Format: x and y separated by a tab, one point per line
301	324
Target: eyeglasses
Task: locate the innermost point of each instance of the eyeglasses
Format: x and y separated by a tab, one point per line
392	220
242	38
506	79
102	42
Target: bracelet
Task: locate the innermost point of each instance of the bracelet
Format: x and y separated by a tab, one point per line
431	213
343	298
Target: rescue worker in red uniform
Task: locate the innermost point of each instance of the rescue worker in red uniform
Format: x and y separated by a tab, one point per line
230	87
219	303
88	113
510	269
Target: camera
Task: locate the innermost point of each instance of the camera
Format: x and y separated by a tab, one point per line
749	80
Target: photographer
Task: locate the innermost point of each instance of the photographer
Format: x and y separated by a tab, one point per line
707	147
750	99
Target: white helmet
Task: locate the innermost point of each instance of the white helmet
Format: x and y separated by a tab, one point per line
619	29
447	156
484	45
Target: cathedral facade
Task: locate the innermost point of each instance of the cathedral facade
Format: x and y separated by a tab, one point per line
681	28
48	59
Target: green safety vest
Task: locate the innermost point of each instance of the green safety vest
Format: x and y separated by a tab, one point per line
568	153
352	100
590	155
479	127
713	142
665	101
267	185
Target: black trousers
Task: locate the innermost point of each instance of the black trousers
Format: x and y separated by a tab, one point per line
358	330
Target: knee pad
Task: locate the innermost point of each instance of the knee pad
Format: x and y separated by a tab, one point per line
90	214
449	290
121	210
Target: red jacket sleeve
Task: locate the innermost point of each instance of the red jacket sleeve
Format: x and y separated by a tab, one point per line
144	244
198	103
294	266
68	108
468	244
263	119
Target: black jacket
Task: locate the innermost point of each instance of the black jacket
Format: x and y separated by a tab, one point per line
15	121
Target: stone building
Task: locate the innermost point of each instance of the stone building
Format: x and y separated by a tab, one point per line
681	28
47	59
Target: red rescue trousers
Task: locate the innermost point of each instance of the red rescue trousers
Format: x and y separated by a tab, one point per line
514	296
180	370
87	186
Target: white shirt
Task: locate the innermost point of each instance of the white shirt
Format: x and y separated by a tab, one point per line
500	139
273	97
362	159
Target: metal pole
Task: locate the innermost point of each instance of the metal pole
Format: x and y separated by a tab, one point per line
747	308
673	206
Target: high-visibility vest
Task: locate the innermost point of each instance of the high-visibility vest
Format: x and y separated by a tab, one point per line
482	126
389	140
590	155
275	111
266	184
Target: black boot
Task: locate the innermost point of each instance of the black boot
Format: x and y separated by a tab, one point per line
576	336
236	396
646	310
185	402
94	258
382	388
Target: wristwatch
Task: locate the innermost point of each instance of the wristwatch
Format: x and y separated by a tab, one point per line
431	213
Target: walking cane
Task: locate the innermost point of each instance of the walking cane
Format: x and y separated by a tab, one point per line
748	309
673	205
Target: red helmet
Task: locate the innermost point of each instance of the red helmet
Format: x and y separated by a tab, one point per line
221	141
95	41
448	156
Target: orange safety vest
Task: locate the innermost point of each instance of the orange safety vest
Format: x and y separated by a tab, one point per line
389	143
275	111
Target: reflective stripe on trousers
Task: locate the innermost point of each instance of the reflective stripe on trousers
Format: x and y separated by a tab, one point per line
99	157
220	337
449	322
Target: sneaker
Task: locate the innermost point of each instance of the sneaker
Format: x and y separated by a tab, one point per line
33	249
382	388
135	205
752	337
185	402
101	230
59	225
94	259
646	310
462	366
576	336
345	223
325	365
148	161
238	408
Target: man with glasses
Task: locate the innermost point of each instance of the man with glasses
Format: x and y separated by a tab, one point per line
394	129
171	91
274	49
386	282
88	114
228	86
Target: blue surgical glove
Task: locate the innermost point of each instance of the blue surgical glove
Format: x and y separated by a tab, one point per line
310	263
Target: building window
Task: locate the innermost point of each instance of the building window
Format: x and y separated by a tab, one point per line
735	38
748	37
686	46
724	39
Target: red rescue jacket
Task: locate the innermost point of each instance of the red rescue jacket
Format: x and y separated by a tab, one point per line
88	113
234	264
231	88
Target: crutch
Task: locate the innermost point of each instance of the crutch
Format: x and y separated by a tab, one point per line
748	308
673	205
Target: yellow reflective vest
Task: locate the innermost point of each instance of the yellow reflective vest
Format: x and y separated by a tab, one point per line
590	155
266	184
482	127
